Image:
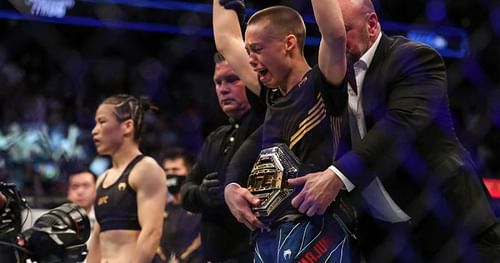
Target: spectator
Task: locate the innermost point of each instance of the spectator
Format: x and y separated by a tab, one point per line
82	191
181	241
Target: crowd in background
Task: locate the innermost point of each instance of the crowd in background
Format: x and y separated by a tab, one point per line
53	76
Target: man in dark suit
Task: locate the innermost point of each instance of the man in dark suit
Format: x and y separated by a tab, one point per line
420	198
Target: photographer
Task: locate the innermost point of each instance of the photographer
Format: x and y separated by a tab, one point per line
82	191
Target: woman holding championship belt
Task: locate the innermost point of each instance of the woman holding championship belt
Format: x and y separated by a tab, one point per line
304	106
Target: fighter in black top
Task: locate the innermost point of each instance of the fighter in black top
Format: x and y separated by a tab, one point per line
116	206
310	127
307	119
297	115
132	194
223	238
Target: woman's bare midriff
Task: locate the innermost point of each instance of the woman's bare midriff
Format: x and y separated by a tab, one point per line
118	246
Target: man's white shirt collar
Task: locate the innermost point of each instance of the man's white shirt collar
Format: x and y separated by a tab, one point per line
370	53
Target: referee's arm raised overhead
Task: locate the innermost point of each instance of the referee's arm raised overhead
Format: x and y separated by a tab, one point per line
229	42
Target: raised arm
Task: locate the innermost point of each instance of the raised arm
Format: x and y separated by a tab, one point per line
332	47
149	182
229	42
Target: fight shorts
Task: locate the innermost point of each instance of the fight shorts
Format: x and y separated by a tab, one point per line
319	239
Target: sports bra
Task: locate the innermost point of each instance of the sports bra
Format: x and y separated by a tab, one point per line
116	205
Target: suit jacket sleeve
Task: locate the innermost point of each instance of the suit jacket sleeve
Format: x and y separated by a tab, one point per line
404	91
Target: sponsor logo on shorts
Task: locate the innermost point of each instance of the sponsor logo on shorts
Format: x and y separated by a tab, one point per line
317	251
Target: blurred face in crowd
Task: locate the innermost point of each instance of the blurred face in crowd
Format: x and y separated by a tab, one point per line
176	171
362	26
109	133
230	91
175	167
82	190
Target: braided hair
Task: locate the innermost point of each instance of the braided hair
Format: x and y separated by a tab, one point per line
129	107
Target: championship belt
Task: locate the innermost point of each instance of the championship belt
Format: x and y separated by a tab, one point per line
268	182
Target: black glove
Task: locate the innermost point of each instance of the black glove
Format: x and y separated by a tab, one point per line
211	188
237	5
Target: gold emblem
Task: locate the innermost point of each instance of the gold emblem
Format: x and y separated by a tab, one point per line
103	200
122	186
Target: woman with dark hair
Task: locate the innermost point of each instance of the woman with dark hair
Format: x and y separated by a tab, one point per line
131	195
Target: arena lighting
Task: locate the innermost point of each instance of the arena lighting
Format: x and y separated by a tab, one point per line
108	23
48	8
164	4
493	186
448	41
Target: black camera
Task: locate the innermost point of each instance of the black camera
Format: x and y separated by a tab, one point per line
58	236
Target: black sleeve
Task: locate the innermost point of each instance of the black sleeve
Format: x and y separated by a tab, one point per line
190	190
335	97
242	162
257	103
